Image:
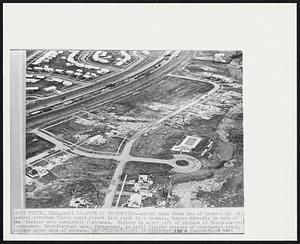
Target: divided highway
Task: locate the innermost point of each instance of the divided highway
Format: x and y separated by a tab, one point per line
119	92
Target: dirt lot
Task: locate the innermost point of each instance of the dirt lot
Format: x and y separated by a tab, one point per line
36	145
77	177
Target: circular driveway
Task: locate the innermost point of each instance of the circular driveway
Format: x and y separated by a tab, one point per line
192	166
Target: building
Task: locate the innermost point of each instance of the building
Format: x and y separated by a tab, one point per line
86	76
57	80
187	144
32	173
67	83
59	71
104	70
32	80
32	88
69	72
49	69
78	74
50	89
38	68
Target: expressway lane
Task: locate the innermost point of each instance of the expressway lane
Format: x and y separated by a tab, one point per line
97	83
126	90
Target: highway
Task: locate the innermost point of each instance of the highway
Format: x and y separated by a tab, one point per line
115	94
97	83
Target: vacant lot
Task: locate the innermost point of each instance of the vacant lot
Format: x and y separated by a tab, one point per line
36	145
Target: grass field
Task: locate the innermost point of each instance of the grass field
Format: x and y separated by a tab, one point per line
36	145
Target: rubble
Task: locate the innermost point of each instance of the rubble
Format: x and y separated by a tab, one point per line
83	121
80	138
79	202
96	140
187	191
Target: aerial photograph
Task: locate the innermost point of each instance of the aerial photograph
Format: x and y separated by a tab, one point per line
134	129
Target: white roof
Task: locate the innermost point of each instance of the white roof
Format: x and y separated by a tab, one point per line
190	142
136	198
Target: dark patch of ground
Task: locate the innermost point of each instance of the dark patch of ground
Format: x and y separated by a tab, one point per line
36	145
